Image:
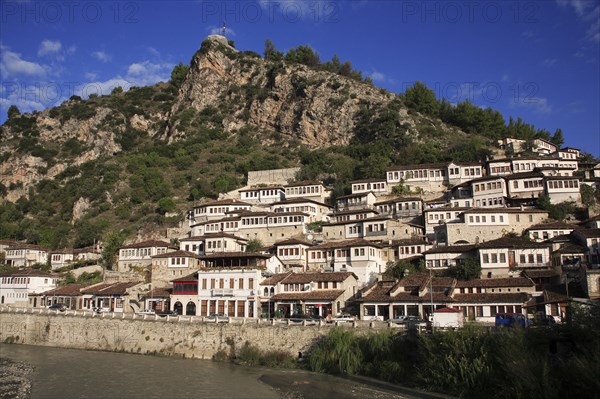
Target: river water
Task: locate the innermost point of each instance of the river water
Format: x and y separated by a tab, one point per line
69	373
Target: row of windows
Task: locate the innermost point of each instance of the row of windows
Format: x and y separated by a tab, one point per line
468	171
229	283
16	295
376	227
369	186
340	253
487	186
262	193
178	261
531	259
218	210
303	190
216	244
546	234
142	252
490	201
500	169
345	218
291	251
442	215
308	209
493	258
483	219
559	184
525	166
17	280
529	183
410	250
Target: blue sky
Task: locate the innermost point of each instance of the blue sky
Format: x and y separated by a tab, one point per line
537	60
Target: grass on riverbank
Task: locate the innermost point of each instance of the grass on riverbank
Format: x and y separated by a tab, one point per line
472	362
250	355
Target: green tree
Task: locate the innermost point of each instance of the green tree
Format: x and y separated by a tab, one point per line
270	53
13	112
254	245
111	243
558	138
165	205
178	74
469	269
422	99
117	90
400	270
588	195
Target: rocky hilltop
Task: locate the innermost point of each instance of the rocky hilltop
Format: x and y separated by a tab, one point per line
316	107
225	89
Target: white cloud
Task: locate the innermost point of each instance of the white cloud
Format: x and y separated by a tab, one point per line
11	64
91	76
539	105
549	62
587	11
101	56
142	73
218	30
49	47
378	76
71	49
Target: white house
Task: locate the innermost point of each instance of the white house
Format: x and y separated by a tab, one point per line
376	186
312	190
362	257
510	256
140	254
216	210
17	286
26	255
263	195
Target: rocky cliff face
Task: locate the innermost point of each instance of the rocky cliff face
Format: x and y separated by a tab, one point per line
225	89
316	107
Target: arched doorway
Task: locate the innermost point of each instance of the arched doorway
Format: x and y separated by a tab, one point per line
178	307
190	308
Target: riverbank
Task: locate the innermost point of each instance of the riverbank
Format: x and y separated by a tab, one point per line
66	373
15	379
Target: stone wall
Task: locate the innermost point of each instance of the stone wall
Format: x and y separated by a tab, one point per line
272	176
187	338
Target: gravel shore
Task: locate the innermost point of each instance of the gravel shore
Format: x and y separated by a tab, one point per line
15	382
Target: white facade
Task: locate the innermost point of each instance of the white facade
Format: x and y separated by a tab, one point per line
15	287
25	255
231	292
263	195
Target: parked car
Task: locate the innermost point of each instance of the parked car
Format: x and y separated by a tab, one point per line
146	312
404	319
58	306
343	318
166	313
512	320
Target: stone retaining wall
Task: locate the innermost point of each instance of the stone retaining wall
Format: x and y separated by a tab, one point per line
178	336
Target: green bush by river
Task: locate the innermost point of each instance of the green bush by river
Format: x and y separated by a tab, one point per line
562	362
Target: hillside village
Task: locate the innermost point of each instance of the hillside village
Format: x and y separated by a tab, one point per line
404	244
